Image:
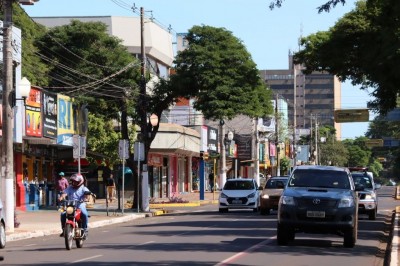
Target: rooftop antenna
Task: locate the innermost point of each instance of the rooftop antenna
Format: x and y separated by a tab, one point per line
301	36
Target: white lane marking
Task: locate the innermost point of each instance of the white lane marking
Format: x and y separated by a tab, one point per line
230	260
395	242
85	259
30	245
145	243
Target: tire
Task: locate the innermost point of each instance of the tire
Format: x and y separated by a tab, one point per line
372	215
291	235
282	235
255	209
264	211
68	236
79	243
2	236
350	238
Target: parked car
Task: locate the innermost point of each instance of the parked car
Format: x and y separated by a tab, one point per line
367	198
318	199
2	226
270	195
239	193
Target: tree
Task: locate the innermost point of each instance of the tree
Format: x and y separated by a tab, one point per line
362	47
333	153
33	68
94	68
359	154
217	71
325	7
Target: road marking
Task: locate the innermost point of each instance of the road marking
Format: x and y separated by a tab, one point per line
85	259
145	243
395	242
230	260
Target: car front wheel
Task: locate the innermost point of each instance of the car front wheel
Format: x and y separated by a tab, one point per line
350	238
282	235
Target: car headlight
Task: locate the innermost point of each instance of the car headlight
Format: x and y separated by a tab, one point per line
287	200
70	210
370	196
252	195
265	196
223	196
346	202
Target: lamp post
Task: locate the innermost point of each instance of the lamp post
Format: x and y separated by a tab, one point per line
24	90
153	121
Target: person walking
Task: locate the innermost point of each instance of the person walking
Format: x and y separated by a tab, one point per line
110	188
61	185
211	181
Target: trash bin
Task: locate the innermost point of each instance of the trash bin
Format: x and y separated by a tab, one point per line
50	195
42	194
32	193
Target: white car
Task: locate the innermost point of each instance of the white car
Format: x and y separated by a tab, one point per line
239	193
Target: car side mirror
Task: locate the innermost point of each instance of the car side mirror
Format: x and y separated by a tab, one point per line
378	186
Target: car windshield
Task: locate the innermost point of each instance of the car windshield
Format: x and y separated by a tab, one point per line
239	185
276	183
319	178
362	179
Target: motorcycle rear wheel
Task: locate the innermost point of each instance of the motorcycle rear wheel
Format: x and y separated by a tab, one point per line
69	236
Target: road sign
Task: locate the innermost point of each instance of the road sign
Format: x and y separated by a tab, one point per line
351	115
123	149
79	146
139	151
374	143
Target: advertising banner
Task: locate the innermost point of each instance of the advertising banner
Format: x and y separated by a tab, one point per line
33	118
49	115
65	123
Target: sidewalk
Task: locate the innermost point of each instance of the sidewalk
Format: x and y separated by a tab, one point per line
47	221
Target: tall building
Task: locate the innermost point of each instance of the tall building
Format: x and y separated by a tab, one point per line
311	98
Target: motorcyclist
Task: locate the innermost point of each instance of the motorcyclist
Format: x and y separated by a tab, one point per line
76	191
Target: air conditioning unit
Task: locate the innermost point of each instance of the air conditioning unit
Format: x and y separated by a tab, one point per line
27	2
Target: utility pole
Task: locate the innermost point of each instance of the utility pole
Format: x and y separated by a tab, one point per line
7	161
142	106
256	152
223	153
278	162
294	115
316	141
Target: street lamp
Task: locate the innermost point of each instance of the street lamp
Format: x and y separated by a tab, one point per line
24	89
153	120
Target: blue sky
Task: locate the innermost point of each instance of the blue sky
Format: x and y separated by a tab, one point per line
268	35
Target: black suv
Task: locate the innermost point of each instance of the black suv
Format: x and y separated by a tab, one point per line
318	199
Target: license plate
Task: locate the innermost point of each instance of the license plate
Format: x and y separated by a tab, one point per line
236	202
316	214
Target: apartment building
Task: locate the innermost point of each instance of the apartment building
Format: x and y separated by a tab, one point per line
311	98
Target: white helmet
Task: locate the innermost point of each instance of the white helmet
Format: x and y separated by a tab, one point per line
76	180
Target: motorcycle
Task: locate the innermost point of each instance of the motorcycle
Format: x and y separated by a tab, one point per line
73	226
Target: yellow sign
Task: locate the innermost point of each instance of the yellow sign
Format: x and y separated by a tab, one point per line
374	143
351	115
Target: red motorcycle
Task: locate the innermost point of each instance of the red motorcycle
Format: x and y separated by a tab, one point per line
73	226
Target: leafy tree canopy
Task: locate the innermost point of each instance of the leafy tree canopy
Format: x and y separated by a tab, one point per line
90	65
325	7
363	47
217	70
